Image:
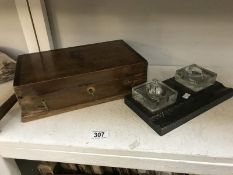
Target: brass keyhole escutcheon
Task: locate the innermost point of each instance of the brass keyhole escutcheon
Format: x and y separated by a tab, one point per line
91	91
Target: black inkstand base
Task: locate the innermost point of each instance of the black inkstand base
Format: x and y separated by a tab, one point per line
189	104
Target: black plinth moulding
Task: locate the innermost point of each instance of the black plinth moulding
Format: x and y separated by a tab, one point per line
171	117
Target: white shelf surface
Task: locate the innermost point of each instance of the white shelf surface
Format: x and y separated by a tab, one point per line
203	145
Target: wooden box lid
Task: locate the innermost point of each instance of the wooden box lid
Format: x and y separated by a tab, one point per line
60	63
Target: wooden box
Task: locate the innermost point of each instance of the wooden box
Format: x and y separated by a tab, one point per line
52	82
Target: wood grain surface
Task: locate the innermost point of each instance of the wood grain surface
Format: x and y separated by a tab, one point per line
53	82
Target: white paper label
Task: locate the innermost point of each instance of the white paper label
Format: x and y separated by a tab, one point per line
99	134
186	95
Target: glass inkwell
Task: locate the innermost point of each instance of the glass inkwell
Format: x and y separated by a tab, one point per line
195	77
154	95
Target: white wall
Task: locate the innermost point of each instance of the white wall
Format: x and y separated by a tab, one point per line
166	32
12	39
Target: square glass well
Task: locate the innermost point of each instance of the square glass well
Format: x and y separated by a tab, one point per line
154	95
195	77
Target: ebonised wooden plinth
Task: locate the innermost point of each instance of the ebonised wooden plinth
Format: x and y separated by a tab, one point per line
171	117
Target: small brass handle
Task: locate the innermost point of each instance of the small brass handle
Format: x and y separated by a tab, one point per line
44	104
129	83
91	91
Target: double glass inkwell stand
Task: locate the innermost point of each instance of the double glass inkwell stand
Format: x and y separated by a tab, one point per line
169	104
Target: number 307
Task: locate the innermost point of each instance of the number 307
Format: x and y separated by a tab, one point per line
98	134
